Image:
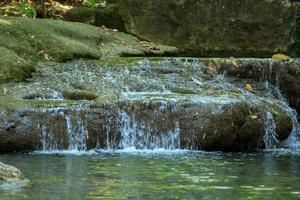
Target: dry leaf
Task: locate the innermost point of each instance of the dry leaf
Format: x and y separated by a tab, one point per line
280	56
234	64
210	65
253	117
211	90
249	88
46	56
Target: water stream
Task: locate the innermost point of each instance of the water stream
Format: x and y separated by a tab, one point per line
129	130
157	175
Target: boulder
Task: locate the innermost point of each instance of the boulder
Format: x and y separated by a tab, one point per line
213	27
9	173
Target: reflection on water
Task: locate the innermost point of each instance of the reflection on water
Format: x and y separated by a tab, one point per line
146	175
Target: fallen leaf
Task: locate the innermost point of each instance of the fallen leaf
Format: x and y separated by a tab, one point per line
211	90
249	88
234	64
280	56
253	117
46	56
210	65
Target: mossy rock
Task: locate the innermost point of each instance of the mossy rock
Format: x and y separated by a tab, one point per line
9	173
25	41
79	95
213	27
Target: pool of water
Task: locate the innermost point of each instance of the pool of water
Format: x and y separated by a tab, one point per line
156	175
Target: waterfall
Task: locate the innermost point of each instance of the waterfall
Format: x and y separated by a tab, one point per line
47	139
269	137
293	141
76	130
148	134
140	135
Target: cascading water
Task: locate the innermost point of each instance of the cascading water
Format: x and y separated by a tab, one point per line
139	135
269	137
270	140
76	130
47	139
127	129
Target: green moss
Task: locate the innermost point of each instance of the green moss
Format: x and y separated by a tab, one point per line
11	103
25	41
119	61
80	95
14	67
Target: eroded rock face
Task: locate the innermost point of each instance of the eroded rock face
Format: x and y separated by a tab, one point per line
210	124
213	27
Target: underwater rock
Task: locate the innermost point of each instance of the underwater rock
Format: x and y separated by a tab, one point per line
9	173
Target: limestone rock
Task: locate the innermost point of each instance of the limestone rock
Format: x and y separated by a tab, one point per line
213	27
9	173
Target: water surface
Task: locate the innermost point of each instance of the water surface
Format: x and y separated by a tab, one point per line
157	175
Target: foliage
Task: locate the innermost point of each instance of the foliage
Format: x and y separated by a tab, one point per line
23	8
94	3
27	9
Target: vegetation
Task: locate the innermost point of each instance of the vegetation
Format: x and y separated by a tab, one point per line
33	8
23	42
94	3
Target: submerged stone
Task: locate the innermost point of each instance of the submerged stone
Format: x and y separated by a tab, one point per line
9	173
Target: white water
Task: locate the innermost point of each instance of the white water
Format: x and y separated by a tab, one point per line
134	134
76	130
270	140
137	134
269	137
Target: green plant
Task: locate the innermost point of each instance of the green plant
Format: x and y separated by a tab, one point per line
94	3
27	9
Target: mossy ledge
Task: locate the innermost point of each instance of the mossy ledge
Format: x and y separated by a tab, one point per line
24	42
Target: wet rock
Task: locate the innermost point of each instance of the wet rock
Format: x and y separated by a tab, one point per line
79	95
283	74
150	103
213	27
107	16
9	173
208	125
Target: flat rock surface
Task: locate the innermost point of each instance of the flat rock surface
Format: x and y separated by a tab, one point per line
159	103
